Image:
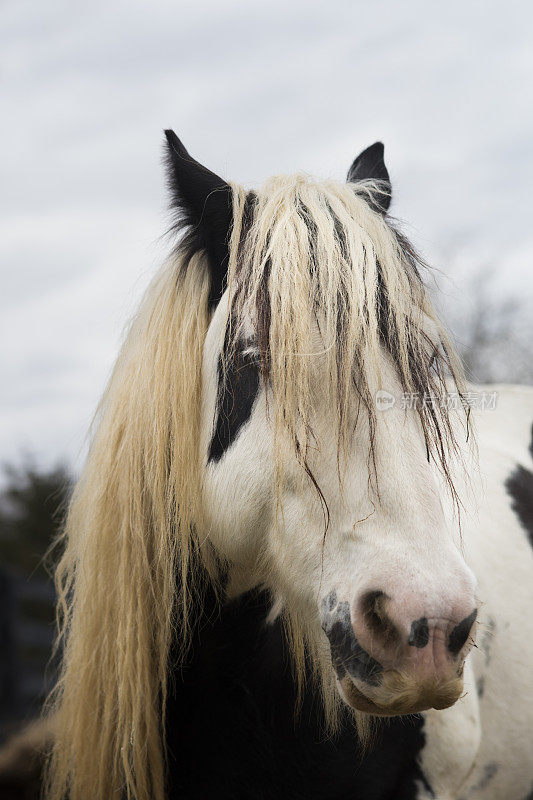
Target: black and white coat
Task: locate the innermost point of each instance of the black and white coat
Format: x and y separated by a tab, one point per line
231	727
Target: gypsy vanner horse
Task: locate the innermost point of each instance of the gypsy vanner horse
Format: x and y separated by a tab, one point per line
273	585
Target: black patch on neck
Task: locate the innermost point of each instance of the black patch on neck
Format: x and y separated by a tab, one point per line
489	771
232	732
519	486
238	385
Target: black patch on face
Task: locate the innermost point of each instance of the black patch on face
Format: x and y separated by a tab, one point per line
459	634
480	686
347	655
519	485
419	636
237	390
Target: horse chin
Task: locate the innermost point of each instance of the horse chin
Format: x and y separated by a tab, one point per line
401	705
355	698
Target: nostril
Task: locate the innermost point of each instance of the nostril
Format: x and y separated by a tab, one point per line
460	633
419	635
373	609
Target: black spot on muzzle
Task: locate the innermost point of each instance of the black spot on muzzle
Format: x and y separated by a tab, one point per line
347	655
419	636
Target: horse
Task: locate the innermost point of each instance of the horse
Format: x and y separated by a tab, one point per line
298	560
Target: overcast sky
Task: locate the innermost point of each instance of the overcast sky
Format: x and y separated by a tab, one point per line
252	88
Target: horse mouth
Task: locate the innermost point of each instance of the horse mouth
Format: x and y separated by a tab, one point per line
396	700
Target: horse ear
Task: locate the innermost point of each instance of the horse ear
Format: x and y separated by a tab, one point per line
370	166
204	204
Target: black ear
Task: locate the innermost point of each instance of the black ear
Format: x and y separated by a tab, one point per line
204	204
370	166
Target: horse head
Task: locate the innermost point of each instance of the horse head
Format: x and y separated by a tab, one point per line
286	412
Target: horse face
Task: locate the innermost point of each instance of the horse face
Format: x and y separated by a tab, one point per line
382	581
332	504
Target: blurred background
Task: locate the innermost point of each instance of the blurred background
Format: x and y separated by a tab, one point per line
253	88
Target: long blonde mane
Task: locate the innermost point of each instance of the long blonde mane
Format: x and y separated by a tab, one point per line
300	251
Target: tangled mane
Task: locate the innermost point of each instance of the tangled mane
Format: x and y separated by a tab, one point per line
301	254
317	255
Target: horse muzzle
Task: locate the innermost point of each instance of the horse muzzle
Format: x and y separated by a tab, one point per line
388	667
